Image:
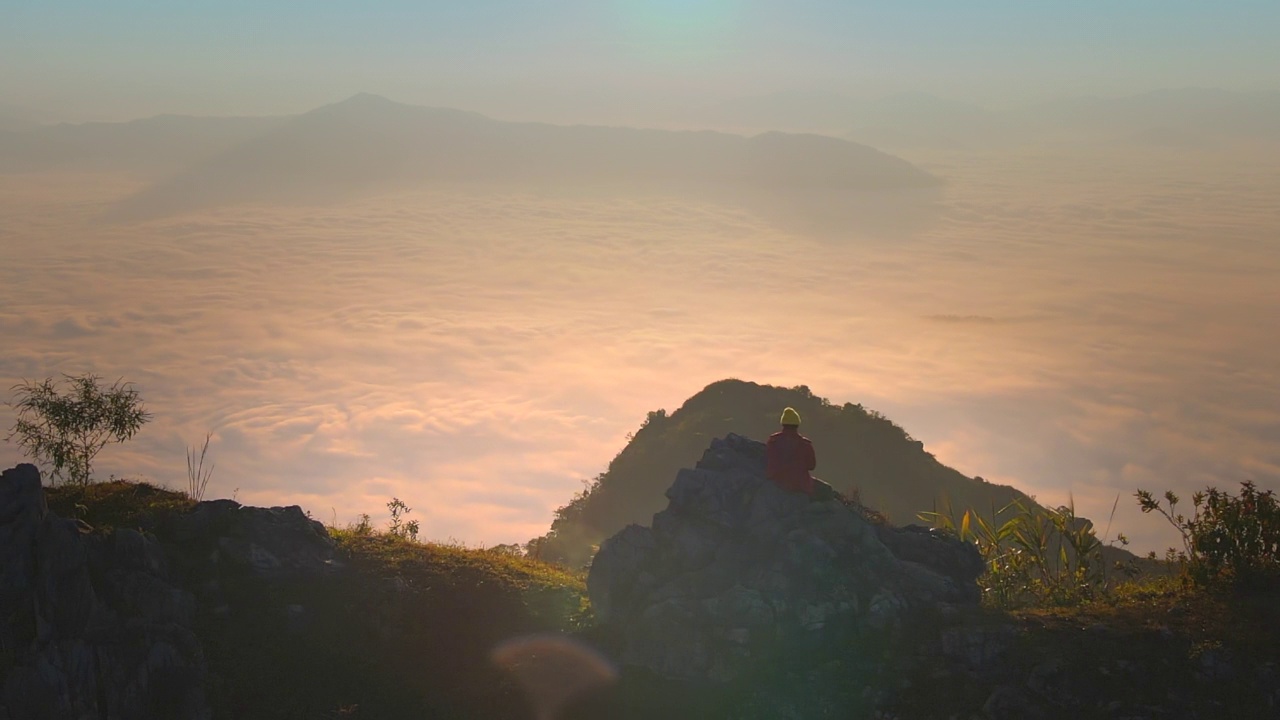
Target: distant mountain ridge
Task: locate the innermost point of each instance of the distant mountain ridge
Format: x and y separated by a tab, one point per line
859	451
367	143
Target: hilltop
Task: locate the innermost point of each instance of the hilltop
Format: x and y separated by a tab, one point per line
860	453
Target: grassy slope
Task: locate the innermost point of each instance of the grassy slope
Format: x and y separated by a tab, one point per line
118	503
857	449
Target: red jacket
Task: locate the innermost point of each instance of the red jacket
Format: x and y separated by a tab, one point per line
788	459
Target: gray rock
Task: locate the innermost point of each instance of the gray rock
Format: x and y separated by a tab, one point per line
977	649
1009	702
959	562
93	628
1214	665
735	567
1059	684
273	543
620	565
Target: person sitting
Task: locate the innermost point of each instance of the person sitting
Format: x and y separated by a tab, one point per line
790	456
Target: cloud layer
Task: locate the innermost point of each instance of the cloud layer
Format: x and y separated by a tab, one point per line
1072	324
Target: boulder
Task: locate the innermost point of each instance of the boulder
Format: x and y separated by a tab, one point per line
272	543
736	570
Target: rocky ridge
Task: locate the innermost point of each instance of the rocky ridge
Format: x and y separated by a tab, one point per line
736	570
788	608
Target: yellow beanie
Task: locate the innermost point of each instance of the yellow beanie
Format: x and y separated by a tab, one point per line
790	417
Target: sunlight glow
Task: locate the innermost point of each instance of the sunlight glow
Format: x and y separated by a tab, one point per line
671	30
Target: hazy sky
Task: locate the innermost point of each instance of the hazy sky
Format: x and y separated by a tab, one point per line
89	59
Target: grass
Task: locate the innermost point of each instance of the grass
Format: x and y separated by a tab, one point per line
550	592
116	503
405	633
197	474
1141	647
1246	621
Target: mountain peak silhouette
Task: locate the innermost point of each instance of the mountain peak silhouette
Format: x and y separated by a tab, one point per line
365	100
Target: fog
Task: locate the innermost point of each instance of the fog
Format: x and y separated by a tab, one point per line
1070	308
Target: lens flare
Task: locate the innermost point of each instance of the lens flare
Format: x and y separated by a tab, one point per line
553	670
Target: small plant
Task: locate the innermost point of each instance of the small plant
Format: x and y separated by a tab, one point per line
1035	557
197	475
363	527
399	527
67	430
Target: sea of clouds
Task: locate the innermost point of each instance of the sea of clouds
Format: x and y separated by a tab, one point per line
1078	323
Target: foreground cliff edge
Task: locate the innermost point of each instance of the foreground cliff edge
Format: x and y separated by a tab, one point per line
151	606
121	600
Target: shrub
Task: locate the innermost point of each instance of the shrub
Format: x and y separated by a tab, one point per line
1226	538
68	429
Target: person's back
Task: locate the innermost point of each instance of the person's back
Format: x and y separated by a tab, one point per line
789	456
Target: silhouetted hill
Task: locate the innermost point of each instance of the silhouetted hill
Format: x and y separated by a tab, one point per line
154	146
859	451
367	143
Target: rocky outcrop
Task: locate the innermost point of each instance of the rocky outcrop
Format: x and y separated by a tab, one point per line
736	570
92	627
100	624
272	543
